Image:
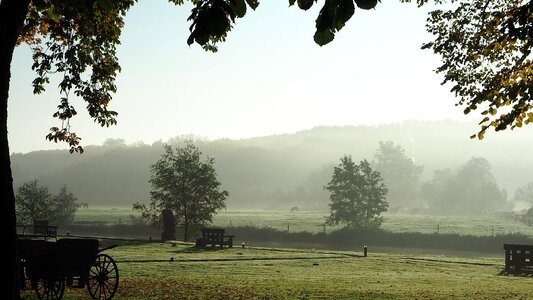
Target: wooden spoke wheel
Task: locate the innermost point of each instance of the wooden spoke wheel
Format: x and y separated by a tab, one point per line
50	289
103	278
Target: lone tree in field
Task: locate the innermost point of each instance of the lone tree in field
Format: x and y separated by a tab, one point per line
357	195
34	202
186	184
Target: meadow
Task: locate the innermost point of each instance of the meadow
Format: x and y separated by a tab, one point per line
176	270
309	221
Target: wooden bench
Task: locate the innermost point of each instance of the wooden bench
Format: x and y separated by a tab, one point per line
518	256
214	237
36	231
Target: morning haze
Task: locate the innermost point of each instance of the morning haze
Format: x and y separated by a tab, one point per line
281	171
321	163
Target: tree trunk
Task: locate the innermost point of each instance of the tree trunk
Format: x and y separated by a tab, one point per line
12	15
186	231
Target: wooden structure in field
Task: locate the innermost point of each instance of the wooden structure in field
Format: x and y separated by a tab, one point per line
518	256
214	237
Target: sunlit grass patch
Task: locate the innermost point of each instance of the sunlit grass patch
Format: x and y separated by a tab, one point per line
176	271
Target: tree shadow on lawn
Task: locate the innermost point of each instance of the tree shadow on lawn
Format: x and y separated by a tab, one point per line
194	249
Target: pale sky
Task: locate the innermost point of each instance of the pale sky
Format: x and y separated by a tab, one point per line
268	78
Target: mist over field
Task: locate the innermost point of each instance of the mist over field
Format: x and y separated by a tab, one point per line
282	171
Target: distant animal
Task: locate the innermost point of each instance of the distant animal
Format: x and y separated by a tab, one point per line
85	205
294	209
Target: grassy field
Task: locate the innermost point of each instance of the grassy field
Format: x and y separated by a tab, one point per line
312	221
177	271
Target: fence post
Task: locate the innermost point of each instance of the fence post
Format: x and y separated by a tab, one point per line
288	227
364	251
438	228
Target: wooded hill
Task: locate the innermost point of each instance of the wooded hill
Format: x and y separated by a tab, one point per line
280	171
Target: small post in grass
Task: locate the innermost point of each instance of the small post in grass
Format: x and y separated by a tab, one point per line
364	251
243	245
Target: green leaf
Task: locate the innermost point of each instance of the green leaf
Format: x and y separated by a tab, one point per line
305	4
530	117
105	4
218	23
253	3
53	14
323	21
343	13
238	7
366	4
323	37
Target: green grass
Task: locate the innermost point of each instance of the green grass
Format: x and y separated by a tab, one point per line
105	215
312	221
147	272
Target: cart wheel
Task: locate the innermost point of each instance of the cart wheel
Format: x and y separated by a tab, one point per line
103	278
49	289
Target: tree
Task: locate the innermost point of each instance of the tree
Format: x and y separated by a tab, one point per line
34	202
358	195
65	207
186	184
486	56
469	190
524	194
434	191
400	174
78	38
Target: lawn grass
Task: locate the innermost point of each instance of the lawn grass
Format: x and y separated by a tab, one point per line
178	271
312	221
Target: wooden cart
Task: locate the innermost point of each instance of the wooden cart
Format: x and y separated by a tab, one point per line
48	266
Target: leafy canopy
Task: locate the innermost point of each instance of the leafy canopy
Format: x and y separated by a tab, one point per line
400	174
358	195
469	190
524	194
485	48
186	184
34	202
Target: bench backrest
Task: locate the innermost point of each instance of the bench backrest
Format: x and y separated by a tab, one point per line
518	255
213	234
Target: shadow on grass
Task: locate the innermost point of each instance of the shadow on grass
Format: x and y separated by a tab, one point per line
197	250
517	273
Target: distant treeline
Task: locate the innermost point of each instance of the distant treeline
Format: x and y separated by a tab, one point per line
277	172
